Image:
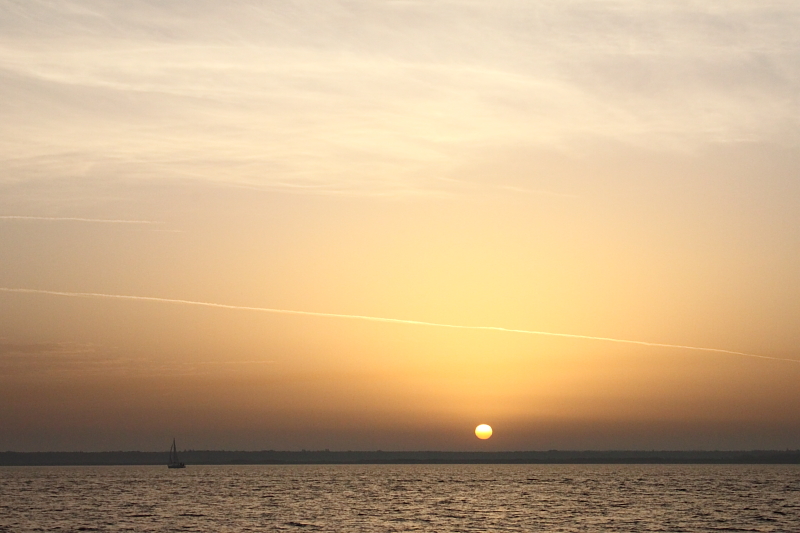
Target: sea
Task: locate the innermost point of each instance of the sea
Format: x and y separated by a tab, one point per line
387	498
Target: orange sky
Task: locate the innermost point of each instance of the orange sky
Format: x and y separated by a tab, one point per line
608	169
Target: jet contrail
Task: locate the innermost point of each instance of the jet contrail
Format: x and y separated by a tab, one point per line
390	321
76	219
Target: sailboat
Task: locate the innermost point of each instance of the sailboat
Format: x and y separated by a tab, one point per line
173	457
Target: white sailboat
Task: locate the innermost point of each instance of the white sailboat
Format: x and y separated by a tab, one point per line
173	457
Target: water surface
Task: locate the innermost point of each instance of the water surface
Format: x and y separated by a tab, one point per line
441	498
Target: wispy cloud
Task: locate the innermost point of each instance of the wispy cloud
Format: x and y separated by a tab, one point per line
62	358
77	219
382	98
392	321
46	348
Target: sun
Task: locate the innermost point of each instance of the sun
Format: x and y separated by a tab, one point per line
483	432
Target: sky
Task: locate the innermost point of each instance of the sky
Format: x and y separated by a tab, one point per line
557	176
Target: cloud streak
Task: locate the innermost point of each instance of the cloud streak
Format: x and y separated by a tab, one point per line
391	321
77	219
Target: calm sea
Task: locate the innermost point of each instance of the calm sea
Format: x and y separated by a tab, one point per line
380	498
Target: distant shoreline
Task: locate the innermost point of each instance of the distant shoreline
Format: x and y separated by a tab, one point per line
211	457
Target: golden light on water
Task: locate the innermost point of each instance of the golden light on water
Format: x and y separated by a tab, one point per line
483	431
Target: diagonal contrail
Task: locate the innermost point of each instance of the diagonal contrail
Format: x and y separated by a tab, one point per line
76	219
389	320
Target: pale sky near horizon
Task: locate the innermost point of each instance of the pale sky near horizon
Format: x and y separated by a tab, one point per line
618	169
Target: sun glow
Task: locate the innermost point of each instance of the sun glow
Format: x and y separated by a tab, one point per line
483	432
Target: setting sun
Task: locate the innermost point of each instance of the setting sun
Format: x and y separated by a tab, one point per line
484	431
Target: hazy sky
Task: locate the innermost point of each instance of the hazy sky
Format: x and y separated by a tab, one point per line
617	169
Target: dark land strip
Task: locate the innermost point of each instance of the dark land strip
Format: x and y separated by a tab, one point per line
270	457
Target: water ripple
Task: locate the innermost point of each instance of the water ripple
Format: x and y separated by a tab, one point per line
389	498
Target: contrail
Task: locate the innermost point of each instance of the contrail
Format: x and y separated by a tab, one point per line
390	321
76	219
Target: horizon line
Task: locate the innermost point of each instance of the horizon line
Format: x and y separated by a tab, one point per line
551	450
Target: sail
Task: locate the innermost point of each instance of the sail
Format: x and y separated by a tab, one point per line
173	457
